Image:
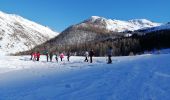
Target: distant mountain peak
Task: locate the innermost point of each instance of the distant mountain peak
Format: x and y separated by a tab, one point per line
119	25
95	17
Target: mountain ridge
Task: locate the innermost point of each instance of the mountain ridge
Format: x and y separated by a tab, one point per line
119	25
19	34
97	27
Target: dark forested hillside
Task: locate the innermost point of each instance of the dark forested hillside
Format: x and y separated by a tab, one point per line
122	46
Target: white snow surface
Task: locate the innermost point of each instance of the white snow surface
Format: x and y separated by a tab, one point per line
142	77
119	25
158	28
19	34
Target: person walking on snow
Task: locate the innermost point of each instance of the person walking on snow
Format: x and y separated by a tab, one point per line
86	56
109	54
38	56
91	54
68	56
47	55
51	56
34	56
61	56
32	53
56	57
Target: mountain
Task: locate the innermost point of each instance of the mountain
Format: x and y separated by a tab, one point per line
98	33
156	28
118	25
98	28
19	34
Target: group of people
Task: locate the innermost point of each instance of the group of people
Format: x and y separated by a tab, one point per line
35	56
91	54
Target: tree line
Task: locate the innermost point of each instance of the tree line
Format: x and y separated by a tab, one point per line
136	44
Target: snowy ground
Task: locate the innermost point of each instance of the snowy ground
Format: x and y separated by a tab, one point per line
144	77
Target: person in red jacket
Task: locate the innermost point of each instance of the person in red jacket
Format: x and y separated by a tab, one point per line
34	56
38	56
61	56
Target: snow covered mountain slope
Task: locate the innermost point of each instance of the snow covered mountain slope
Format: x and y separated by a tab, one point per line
157	28
19	34
98	29
118	25
143	77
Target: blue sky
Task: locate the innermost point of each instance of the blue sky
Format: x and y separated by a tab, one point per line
59	14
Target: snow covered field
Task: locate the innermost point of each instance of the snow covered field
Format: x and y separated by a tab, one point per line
144	77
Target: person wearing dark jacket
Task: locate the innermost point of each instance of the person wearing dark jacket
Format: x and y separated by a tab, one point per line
47	55
109	53
91	54
68	56
51	56
38	56
56	57
32	53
